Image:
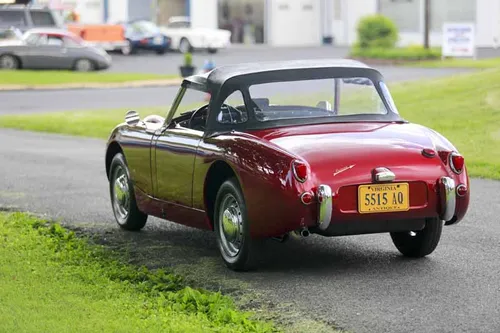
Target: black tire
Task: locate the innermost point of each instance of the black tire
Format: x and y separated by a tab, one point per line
249	249
185	45
420	243
84	65
161	51
212	50
128	49
131	218
10	62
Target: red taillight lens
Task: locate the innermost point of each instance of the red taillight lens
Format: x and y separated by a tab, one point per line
457	163
299	171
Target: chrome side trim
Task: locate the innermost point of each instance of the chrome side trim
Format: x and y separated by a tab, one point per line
384	175
448	199
325	206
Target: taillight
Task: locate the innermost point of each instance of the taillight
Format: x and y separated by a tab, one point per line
457	163
299	170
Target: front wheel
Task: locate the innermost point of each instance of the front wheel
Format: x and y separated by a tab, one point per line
8	61
417	244
127	214
232	228
84	65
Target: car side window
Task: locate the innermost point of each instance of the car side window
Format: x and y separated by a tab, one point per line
233	110
12	18
33	39
54	40
42	19
179	25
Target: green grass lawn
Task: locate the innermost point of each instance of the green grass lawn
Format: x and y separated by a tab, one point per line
52	281
458	63
464	108
25	77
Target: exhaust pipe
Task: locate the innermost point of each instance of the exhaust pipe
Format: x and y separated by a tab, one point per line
304	232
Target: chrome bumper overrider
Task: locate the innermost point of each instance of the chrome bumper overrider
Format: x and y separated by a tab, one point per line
325	206
448	198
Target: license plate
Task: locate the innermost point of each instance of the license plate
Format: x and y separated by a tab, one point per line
383	198
158	40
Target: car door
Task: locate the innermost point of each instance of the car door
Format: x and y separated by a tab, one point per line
175	152
49	53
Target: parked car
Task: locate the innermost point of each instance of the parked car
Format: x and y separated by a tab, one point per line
289	147
51	49
186	38
25	17
145	35
110	37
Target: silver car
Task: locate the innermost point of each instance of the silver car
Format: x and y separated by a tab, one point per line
51	49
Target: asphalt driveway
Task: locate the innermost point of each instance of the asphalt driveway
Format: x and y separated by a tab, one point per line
360	283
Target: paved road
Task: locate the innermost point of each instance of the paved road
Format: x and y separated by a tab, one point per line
17	102
152	63
359	282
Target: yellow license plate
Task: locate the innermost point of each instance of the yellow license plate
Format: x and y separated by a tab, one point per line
383	198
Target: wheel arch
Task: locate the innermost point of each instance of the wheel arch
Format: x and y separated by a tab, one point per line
113	149
18	58
217	174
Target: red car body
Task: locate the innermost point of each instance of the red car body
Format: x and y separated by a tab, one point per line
303	177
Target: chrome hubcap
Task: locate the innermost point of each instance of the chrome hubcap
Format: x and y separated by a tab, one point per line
121	194
230	226
83	65
8	63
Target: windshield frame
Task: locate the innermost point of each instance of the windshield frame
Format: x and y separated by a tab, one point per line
243	83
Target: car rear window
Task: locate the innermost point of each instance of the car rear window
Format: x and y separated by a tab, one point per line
12	18
42	19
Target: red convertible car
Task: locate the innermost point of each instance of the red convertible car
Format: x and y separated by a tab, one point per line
287	147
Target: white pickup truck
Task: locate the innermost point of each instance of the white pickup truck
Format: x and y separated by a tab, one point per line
186	38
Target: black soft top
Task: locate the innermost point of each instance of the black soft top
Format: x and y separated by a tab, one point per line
224	80
268	71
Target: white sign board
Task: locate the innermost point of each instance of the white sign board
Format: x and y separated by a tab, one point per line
458	40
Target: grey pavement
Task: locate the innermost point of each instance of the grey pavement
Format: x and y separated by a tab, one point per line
360	282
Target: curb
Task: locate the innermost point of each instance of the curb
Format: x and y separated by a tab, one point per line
95	85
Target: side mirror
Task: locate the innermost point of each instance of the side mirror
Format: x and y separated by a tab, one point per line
132	118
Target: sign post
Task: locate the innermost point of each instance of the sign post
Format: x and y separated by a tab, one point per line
459	40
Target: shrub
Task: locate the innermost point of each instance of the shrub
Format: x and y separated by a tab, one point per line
404	53
188	59
377	31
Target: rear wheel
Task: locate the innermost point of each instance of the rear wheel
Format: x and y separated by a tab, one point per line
417	244
161	51
84	65
127	215
185	46
8	61
127	49
232	228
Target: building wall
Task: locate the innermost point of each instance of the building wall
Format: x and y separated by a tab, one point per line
117	11
169	8
141	9
294	23
488	25
203	13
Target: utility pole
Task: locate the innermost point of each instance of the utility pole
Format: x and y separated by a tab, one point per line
427	16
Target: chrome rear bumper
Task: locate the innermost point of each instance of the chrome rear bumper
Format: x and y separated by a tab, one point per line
448	198
325	206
